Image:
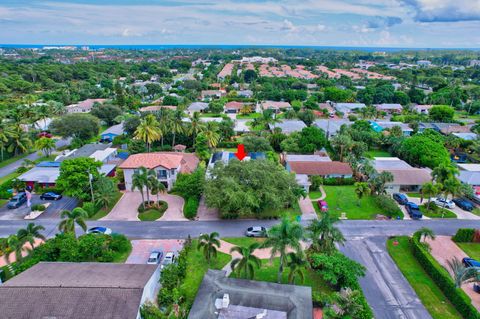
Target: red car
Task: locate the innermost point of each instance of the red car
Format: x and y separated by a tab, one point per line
45	134
322	205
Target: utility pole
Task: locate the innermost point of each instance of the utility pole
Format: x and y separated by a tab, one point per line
90	177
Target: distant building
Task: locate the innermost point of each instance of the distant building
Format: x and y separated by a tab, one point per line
389	108
245	93
79	290
113	131
84	106
331	126
233	107
424	63
289	126
422	109
474	63
197	107
276	106
347	108
215	94
226	71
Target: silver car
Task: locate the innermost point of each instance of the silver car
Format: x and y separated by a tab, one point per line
155	257
256	231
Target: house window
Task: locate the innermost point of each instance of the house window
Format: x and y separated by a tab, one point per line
162	173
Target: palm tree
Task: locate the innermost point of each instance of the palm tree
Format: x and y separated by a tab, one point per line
424	233
212	134
176	125
281	238
15	245
196	125
139	181
104	196
148	130
6	132
157	187
361	189
20	140
70	218
341	143
297	264
45	144
443	172
209	244
247	262
30	233
324	234
429	190
462	274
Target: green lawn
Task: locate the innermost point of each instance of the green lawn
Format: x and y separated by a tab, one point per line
377	153
104	212
8	177
471	249
343	199
122	257
249	116
437	213
10	160
196	268
431	296
211	115
150	215
243	241
415	195
315	194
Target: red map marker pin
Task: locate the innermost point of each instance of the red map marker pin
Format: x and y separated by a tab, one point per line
240	154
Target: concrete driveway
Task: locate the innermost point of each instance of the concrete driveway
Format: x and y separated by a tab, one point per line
127	207
461	214
141	249
52	211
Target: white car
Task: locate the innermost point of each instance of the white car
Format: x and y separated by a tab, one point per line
169	259
155	257
442	202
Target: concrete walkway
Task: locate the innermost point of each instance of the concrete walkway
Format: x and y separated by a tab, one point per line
306	207
174	211
445	249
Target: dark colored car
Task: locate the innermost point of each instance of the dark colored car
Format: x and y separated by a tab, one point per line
17	200
400	198
413	210
50	196
470	262
464	204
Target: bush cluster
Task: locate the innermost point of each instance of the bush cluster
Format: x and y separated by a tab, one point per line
162	206
389	206
227	144
337	181
191	207
38	207
464	235
442	278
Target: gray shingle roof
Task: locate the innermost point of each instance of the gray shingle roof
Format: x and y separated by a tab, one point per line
289	126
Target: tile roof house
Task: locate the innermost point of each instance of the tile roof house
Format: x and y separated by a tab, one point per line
167	165
320	168
405	177
83	106
275	105
233	107
389	108
197	107
207	94
289	126
230	298
79	290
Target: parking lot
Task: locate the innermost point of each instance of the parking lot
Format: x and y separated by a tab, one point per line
141	249
52	211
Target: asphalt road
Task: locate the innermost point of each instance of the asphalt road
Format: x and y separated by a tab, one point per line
4	171
385	288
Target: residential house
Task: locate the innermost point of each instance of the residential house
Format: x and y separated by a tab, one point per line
382	126
389	108
347	108
245	93
466	136
212	94
167	166
275	106
226	71
331	127
225	157
156	108
233	107
197	107
405	177
422	109
289	126
84	106
79	290
227	298
113	131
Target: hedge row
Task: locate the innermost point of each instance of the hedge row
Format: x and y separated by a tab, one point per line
191	207
388	205
464	235
338	181
441	277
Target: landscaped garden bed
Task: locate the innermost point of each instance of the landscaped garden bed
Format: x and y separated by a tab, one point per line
150	211
436	212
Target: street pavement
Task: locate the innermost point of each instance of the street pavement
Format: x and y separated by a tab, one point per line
10	168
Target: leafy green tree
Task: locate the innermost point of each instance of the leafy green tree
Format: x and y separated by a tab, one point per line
297	263
430	190
422	150
170	100
247	262
47	145
442	113
249	76
201	147
31	233
70	218
256	144
104	190
106	112
20	141
337	269
209	243
443	172
324	234
77	125
74	177
282	238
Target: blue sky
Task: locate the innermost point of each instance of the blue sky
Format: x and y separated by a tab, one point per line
386	23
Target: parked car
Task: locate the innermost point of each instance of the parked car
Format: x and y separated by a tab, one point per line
100	230
155	257
50	196
17	200
443	202
413	210
464	204
256	231
169	259
400	198
470	262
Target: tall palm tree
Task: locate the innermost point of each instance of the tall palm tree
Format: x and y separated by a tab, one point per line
443	172
148	131
176	125
196	125
281	238
209	244
30	233
157	187
70	218
104	196
297	263
15	245
247	263
429	190
20	141
139	181
212	134
6	133
45	144
462	274
361	189
424	233
324	234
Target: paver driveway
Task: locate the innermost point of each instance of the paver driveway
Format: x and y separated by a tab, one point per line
141	248
126	208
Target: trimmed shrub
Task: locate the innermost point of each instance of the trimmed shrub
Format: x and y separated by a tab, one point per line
191	207
464	235
337	181
389	206
441	277
161	207
38	207
227	145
